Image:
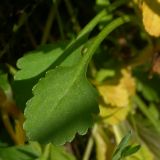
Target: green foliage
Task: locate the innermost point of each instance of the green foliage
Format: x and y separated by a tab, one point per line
66	89
36	62
148	86
52	98
34	151
4	84
20	152
123	149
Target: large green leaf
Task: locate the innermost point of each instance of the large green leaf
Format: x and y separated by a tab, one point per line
30	73
64	101
51	55
59	110
121	147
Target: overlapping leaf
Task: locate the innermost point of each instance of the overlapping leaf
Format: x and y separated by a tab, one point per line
60	109
117	98
36	62
151	16
64	101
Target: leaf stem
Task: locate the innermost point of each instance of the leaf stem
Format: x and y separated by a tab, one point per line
89	27
90	144
49	22
88	149
69	7
59	23
9	127
46	152
101	36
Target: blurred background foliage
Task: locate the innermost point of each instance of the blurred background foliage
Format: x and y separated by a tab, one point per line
125	70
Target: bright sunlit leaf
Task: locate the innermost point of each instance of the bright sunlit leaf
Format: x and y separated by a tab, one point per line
151	18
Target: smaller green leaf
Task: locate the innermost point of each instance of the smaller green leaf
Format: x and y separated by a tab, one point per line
129	150
25	152
120	148
103	74
58	153
35	62
148	87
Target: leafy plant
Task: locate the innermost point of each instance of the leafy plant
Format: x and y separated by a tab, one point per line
123	149
82	83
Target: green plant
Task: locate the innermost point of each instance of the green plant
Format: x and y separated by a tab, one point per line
71	87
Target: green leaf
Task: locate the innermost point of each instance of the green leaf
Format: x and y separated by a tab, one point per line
58	153
143	154
129	150
64	100
26	152
35	62
120	148
22	86
148	87
65	110
45	56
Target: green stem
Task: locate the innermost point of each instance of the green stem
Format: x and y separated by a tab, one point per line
59	23
82	37
76	25
49	22
46	153
101	36
118	133
145	111
89	27
88	149
90	144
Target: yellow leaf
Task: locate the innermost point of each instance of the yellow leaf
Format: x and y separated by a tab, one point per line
114	95
104	146
113	115
151	18
128	82
118	95
117	98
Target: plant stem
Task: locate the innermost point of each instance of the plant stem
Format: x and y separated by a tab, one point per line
118	134
90	144
145	111
100	15
48	25
30	35
88	149
88	28
76	25
59	23
101	36
46	153
9	127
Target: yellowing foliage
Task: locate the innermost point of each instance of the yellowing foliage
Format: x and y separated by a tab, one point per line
118	95
113	115
151	19
117	98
